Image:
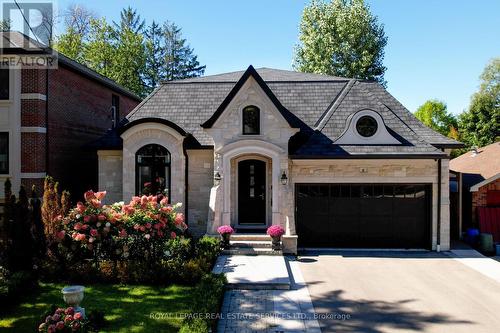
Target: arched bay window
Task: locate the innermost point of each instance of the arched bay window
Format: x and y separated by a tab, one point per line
152	171
251	120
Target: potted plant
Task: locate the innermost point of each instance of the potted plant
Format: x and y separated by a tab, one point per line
225	232
276	231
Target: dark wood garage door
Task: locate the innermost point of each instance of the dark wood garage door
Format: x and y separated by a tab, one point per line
363	215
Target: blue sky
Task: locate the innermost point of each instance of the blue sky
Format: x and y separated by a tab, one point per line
436	49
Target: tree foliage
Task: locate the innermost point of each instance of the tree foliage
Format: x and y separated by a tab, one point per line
341	38
435	115
480	124
134	55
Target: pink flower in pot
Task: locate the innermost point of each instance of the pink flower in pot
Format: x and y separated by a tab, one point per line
276	231
225	231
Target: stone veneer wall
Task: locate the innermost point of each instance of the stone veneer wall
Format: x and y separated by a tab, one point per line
111	174
230	144
200	181
377	171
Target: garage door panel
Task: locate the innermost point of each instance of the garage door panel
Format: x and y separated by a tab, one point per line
363	215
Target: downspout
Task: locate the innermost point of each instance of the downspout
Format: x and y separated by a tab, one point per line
186	181
438	245
47	121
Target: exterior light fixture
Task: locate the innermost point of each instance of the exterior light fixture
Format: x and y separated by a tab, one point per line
217	178
284	178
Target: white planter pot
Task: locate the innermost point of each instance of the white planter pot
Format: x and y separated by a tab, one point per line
73	296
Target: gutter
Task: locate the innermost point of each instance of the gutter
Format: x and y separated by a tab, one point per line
438	244
186	182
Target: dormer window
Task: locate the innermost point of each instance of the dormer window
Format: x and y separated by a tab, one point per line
251	120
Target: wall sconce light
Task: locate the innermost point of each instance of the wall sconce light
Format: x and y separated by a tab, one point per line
284	178
217	178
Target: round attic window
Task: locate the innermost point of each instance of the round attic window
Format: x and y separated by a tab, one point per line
366	126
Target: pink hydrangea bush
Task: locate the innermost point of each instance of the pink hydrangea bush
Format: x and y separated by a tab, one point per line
119	227
90	222
64	320
225	230
149	217
275	231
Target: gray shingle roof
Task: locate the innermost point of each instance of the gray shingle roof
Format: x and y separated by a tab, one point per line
311	97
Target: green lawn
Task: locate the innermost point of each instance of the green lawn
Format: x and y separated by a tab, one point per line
127	308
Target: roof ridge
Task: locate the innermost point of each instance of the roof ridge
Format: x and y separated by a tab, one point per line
131	113
320	124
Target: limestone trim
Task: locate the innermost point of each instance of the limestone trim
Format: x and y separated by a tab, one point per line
250	148
151	126
33	96
33	129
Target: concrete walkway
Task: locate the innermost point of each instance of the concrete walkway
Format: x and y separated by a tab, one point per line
265	306
253	271
489	267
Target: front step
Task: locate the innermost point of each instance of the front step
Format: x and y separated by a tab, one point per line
250	251
248	244
250	237
254	244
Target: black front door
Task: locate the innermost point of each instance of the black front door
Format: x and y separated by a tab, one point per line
252	192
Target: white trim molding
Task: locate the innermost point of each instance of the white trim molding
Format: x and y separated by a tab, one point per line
33	175
33	129
476	187
352	137
33	96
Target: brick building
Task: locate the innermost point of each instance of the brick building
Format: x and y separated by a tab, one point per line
47	116
477	178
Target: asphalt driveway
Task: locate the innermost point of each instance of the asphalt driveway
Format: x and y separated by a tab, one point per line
399	292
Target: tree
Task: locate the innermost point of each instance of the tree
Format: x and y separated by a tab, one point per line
100	49
71	43
155	54
127	52
480	124
341	38
435	115
130	56
179	61
5	25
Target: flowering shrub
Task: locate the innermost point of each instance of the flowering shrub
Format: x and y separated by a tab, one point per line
144	218
225	229
64	320
275	231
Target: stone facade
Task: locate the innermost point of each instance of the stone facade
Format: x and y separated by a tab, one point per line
200	181
232	146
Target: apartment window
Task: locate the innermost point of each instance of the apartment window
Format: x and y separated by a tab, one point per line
115	103
4	84
4	153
